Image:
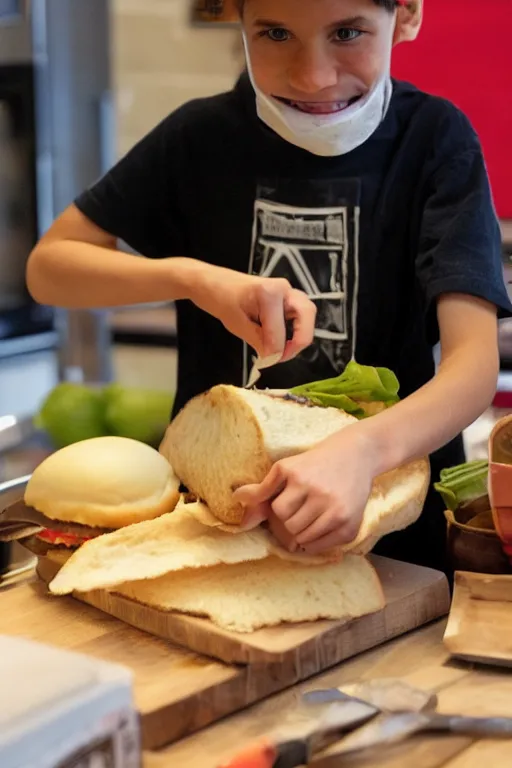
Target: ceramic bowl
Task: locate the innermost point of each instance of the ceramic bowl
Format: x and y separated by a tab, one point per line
473	543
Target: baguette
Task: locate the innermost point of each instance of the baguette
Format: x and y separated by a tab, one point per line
229	437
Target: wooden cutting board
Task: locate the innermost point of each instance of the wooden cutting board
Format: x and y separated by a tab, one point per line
178	692
479	628
412	595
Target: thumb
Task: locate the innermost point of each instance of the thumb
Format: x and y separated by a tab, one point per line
253	516
258	493
254	512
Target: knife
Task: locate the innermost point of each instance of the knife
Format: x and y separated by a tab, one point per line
393	728
317	722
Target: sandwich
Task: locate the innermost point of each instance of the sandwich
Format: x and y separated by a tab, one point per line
191	554
96	486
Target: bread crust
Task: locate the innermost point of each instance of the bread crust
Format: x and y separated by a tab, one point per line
208	424
105	482
217	443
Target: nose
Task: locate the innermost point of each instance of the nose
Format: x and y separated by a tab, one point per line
313	69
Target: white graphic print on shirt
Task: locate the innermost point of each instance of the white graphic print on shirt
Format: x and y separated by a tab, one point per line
316	250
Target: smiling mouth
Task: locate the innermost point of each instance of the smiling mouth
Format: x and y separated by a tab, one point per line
319	107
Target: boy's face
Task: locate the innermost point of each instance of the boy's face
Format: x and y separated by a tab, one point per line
318	56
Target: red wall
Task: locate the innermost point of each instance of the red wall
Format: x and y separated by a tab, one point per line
464	53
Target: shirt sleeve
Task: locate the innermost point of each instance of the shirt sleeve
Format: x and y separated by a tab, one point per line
460	247
138	200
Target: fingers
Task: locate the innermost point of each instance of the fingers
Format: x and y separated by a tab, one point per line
336	538
289	502
248	330
303	312
280	532
327	523
299	522
277	303
271	312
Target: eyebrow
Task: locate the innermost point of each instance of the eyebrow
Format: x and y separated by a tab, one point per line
352	21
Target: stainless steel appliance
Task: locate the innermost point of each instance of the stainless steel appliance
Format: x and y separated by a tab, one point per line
56	137
16	562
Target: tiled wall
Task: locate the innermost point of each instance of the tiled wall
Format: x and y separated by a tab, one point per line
161	61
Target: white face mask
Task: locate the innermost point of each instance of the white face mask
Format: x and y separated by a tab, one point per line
326	135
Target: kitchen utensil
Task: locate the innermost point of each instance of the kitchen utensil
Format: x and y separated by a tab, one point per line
393	728
404	711
324	714
312	725
392	695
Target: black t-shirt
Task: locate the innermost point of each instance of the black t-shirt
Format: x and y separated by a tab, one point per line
374	236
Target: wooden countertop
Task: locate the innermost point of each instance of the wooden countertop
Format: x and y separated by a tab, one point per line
421	659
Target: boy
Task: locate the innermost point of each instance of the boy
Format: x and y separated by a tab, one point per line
316	175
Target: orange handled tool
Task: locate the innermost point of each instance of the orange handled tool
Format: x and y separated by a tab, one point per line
320	719
266	755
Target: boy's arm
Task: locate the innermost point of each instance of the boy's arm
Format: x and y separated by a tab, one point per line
319	497
461	390
77	265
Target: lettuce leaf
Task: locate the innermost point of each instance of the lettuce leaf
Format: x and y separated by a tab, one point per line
463	483
358	383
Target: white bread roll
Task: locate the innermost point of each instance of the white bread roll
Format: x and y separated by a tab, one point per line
105	482
229	437
248	596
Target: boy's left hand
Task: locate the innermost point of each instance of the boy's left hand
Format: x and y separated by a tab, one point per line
319	496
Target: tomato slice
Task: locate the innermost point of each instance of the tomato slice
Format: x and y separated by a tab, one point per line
51	536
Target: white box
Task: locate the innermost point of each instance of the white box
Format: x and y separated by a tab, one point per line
60	709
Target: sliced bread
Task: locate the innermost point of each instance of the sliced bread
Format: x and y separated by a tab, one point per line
249	596
173	542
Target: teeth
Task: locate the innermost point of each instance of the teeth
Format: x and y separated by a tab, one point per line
320	108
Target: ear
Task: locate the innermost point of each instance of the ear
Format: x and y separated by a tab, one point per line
409	18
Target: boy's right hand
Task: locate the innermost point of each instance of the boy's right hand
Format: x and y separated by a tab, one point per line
256	310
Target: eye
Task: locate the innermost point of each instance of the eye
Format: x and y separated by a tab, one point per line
345	34
277	34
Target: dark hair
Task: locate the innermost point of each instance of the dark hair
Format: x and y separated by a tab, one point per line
216	6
